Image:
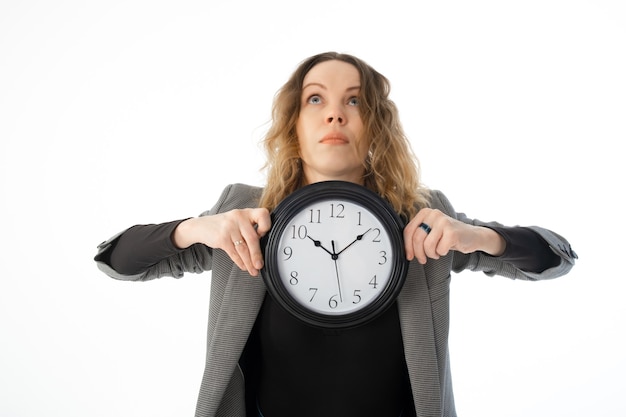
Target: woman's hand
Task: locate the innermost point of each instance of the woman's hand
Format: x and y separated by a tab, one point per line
432	234
237	232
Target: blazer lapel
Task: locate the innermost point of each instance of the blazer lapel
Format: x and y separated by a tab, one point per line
416	321
241	302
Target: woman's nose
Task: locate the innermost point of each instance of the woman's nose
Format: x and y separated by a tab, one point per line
335	115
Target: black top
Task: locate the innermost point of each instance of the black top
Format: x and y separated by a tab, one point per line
294	369
309	371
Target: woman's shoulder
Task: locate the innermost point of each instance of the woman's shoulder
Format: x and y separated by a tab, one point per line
438	200
244	189
237	196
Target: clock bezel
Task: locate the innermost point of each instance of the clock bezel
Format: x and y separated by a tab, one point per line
327	191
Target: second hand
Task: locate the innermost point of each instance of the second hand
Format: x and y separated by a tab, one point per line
336	270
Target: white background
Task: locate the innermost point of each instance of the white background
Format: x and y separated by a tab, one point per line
117	112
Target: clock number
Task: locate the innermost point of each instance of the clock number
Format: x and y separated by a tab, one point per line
288	252
383	258
294	278
357	297
314	292
376	238
340	208
373	282
359	222
332	303
300	232
315	216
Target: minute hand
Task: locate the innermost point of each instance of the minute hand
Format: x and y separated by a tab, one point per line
359	237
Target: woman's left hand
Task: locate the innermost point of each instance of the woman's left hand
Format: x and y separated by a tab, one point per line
432	234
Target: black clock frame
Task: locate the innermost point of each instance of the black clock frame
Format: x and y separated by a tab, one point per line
326	191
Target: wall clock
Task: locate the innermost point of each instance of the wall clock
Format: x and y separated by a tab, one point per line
334	256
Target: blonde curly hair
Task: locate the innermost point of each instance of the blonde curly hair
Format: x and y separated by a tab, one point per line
391	168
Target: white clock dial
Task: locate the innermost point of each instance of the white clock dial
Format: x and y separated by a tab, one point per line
335	257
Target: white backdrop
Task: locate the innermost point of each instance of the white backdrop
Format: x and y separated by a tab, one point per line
117	112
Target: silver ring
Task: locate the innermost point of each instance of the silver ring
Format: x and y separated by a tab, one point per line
425	228
238	242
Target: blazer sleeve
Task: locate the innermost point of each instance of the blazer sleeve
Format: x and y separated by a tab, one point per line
194	259
492	265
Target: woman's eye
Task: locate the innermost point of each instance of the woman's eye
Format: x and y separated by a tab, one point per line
314	100
354	101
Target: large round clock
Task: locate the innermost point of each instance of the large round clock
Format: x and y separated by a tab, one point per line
334	256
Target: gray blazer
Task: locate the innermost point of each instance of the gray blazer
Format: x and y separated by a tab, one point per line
423	305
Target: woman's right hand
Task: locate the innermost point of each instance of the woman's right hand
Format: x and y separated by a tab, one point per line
237	232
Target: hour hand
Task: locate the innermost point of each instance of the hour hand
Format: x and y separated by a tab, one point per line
319	245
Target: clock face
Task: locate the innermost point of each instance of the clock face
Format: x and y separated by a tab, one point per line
334	256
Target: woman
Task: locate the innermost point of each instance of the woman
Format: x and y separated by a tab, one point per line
332	120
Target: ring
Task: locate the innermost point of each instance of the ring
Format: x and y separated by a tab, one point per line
238	242
425	228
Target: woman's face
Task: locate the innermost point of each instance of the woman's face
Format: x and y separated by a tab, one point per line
329	125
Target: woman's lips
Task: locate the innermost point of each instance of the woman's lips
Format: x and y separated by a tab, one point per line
334	139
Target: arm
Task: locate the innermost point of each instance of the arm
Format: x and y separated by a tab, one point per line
526	253
526	249
238	232
146	252
445	233
140	247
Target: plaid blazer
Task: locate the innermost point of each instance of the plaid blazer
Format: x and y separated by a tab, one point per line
423	304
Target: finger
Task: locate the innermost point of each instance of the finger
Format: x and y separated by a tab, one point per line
445	242
417	244
262	226
410	233
254	256
234	255
242	249
413	245
441	238
431	242
408	242
426	238
262	221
